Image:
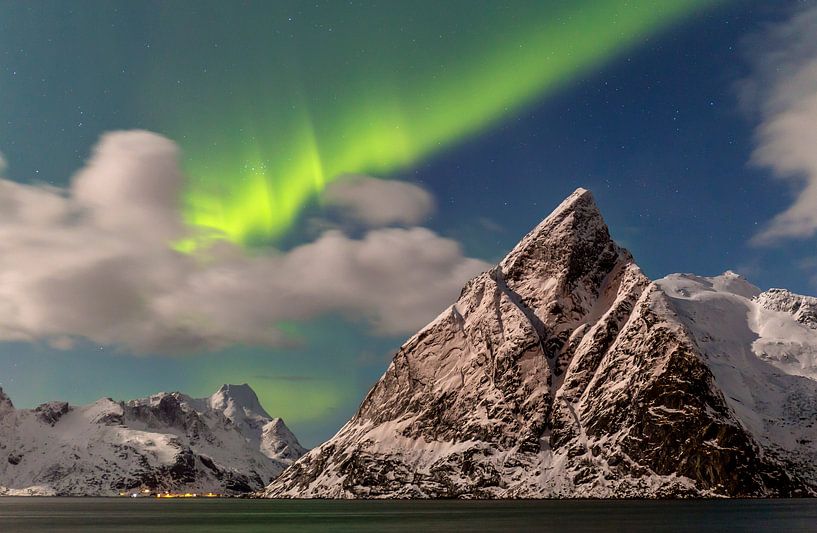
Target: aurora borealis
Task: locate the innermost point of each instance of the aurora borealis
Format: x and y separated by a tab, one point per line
497	110
326	95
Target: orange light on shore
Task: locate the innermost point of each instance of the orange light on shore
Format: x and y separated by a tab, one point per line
168	494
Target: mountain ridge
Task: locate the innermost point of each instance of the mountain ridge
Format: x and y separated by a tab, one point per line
166	441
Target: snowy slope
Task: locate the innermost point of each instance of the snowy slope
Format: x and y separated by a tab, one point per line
763	355
168	441
565	372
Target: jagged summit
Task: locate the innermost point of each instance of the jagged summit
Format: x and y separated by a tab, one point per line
240	404
234	398
565	372
576	221
571	248
578	213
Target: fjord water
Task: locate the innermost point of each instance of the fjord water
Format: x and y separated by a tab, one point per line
149	515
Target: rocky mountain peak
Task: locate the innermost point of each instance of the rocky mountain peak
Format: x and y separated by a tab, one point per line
237	401
570	250
483	379
565	372
271	436
575	224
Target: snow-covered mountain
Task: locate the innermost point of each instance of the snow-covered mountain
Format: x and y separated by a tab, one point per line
226	443
565	372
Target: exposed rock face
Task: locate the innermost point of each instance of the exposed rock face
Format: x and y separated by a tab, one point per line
168	441
564	372
803	308
51	412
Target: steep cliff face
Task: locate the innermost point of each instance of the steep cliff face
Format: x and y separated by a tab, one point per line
168	441
561	372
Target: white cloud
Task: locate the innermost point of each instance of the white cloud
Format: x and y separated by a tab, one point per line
376	202
396	278
784	90
2	164
94	262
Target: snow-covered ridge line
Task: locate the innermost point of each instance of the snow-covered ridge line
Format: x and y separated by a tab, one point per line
225	443
803	308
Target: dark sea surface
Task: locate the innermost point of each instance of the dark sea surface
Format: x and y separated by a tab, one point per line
149	515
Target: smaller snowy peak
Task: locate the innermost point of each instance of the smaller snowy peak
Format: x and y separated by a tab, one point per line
731	318
278	442
690	286
104	411
237	401
802	308
734	283
271	436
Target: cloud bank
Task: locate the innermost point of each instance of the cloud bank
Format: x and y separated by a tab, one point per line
375	202
94	262
783	88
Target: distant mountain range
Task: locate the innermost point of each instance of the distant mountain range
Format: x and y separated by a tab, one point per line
565	372
226	443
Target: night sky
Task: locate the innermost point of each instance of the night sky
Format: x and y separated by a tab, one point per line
263	262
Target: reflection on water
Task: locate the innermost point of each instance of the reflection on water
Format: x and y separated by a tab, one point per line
149	515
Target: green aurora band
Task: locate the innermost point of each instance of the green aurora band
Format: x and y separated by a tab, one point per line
308	102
